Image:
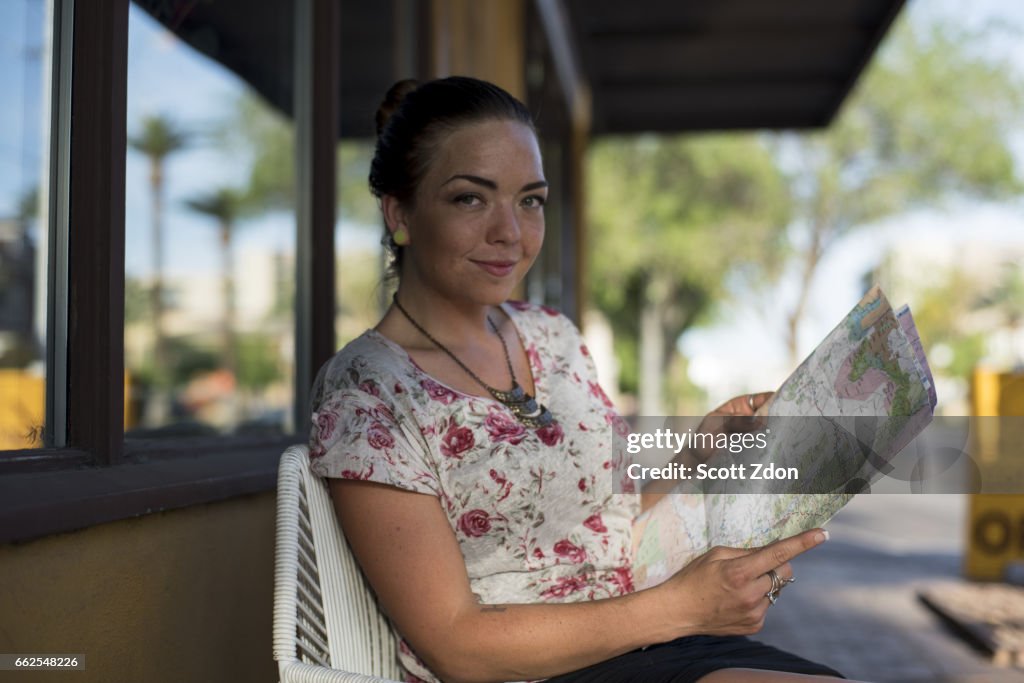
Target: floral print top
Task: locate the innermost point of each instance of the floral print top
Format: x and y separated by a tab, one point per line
532	509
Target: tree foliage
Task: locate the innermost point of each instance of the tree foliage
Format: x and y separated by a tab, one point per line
677	223
960	307
158	137
224	204
930	122
259	361
269	138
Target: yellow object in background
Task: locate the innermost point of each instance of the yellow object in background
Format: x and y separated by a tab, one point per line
22	409
995	535
995	528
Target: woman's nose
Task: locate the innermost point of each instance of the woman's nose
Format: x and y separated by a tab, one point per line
505	226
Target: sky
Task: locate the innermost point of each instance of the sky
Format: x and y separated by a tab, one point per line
21	24
166	77
742	352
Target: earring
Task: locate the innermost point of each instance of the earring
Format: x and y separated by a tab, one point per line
400	237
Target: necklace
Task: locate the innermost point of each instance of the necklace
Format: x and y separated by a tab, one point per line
523	406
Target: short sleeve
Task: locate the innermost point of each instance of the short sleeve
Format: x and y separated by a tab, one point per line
356	435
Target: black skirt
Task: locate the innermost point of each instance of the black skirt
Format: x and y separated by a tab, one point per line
685	660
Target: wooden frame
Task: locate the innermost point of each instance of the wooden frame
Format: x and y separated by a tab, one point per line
316	117
95	340
90	473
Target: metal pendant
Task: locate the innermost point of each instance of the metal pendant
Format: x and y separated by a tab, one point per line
524	406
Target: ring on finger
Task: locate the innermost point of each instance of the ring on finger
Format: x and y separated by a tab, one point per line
750	401
777	584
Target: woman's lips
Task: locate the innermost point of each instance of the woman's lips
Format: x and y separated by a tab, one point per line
497	268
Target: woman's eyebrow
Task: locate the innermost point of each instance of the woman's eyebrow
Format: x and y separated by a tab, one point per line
473	179
490	184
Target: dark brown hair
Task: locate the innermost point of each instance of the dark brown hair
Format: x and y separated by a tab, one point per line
412	122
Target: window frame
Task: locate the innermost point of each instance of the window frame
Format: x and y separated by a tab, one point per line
90	472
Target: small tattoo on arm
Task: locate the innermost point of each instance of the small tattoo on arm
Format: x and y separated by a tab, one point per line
492	608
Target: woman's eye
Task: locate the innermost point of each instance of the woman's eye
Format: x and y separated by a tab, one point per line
534	202
467	199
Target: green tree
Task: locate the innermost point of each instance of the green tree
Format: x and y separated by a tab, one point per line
942	315
357	292
136	301
930	121
255	129
224	205
158	138
258	361
677	225
259	132
1008	296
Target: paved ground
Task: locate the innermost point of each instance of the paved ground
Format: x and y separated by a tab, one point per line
854	606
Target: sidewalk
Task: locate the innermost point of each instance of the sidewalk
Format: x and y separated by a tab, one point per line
854	605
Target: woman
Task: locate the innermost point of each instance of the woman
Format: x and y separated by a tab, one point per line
468	445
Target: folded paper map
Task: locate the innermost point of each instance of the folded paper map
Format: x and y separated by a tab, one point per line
859	398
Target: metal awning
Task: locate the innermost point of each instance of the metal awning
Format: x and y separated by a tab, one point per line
652	65
668	65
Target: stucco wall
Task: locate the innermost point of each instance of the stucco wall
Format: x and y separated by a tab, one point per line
177	596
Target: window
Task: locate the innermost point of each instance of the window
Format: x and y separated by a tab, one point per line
227	86
362	292
24	137
210	239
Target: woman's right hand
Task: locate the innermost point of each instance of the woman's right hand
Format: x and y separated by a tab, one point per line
724	591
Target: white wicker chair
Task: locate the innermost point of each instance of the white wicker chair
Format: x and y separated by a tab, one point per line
327	627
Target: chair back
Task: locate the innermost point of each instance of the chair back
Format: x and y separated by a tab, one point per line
324	611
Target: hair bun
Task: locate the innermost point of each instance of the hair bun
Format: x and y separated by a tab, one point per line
392	100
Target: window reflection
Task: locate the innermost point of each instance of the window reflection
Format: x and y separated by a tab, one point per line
210	228
362	291
24	88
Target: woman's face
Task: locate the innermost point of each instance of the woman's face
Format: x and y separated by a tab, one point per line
478	217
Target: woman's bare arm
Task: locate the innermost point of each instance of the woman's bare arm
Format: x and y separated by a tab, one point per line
411	557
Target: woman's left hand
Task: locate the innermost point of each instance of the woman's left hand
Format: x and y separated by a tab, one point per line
735	416
745	405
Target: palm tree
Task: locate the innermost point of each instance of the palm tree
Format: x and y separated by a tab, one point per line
225	205
158	138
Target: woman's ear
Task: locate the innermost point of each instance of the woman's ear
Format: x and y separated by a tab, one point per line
396	220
